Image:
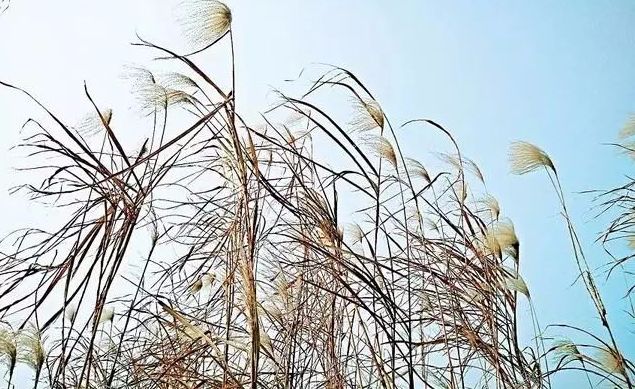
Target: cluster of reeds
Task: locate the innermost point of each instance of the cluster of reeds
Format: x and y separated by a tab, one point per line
603	357
619	203
269	262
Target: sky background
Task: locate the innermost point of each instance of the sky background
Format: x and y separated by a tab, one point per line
560	75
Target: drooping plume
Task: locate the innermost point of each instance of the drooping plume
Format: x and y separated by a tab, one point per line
525	157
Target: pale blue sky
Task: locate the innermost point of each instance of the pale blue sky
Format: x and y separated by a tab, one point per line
561	75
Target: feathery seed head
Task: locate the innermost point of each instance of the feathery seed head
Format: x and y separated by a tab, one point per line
71	312
175	80
154	96
492	205
461	190
31	348
298	118
417	168
629	128
8	347
92	123
502	238
474	169
355	232
151	95
205	21
517	284
566	351
611	361
506	235
524	157
196	286
491	243
629	149
138	76
386	151
369	115
107	314
461	164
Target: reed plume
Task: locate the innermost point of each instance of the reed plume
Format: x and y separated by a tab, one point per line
525	157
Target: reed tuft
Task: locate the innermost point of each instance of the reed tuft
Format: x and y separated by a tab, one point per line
524	157
205	21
